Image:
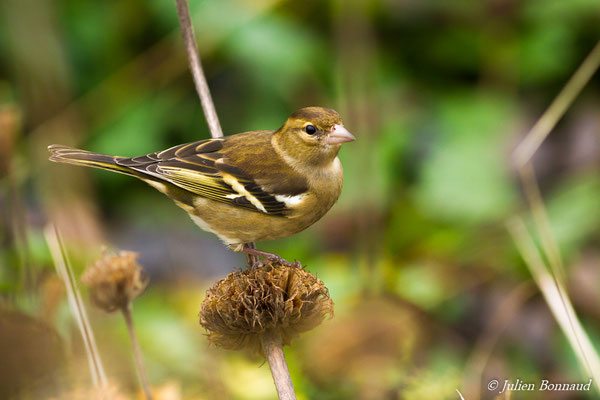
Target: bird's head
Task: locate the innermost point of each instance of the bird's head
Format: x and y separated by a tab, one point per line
313	135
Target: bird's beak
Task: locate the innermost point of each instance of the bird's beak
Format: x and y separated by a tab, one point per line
339	135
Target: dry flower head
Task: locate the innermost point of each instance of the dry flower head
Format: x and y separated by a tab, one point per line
114	280
240	308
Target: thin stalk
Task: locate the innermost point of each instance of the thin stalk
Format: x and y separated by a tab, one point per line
189	39
557	109
555	296
187	31
542	222
273	351
65	272
137	351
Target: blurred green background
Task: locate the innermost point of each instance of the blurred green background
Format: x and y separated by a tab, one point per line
430	292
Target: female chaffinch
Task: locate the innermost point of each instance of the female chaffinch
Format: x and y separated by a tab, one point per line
249	187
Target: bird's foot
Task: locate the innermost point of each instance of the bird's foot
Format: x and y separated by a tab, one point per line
275	259
253	253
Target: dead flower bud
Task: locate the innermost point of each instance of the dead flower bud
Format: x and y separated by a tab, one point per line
114	280
239	309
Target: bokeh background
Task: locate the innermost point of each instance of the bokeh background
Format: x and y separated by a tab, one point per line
431	294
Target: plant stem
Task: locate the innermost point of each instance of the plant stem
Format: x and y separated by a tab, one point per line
187	31
65	272
137	351
273	351
557	109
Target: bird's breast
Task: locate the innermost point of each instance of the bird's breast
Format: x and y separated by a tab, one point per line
325	187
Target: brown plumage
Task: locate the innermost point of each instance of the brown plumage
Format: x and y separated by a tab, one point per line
248	187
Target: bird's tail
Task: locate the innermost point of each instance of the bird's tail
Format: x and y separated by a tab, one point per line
69	155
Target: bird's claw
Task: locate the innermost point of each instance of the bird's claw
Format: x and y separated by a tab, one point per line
275	259
281	261
254	261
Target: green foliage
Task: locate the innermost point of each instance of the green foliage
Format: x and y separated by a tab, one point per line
574	212
438	93
277	66
466	178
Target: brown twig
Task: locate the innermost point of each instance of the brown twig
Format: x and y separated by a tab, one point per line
137	351
189	38
187	31
273	350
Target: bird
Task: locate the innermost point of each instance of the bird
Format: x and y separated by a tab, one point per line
248	187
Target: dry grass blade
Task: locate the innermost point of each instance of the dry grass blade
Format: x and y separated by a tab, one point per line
542	222
63	268
557	109
187	31
550	249
557	300
553	285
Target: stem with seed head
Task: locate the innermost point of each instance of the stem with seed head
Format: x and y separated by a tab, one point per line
273	350
137	351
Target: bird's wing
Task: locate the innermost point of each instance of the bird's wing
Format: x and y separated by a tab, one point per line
203	168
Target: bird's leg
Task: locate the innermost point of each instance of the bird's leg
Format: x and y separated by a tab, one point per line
251	251
251	258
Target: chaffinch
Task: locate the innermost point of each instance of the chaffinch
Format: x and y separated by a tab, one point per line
244	188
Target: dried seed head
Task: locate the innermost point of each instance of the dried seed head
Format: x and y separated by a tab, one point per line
240	308
114	280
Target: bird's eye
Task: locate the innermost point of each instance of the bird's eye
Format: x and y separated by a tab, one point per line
310	129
